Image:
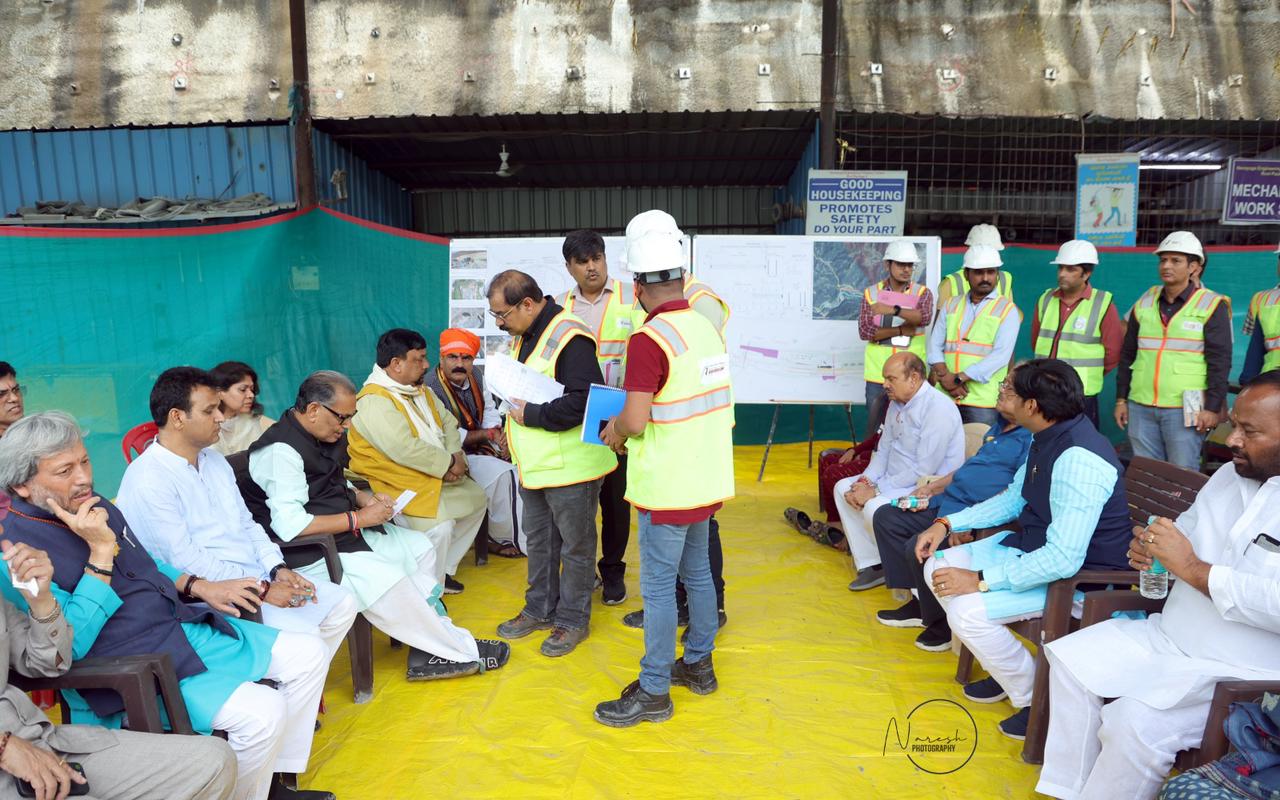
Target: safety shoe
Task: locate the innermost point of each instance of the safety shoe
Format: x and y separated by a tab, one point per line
424	666
907	616
699	676
615	591
522	625
987	690
723	619
868	578
636	618
562	640
493	654
452	585
633	707
1015	727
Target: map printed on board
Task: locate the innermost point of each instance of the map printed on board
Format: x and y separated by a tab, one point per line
794	300
474	262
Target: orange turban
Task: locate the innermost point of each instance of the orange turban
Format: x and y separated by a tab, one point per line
457	340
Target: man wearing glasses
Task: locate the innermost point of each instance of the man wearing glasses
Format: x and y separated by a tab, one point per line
11	408
294	487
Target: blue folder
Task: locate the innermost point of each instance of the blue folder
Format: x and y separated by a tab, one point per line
603	403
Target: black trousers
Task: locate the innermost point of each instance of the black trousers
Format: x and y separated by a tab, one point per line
717	566
896	532
1091	410
615	523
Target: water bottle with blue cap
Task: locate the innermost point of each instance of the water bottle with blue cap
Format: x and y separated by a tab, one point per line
1153	583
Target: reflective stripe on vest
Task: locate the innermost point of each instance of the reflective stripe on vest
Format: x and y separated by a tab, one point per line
695	289
1167	366
1266	315
559	334
680	410
1081	348
617	322
877	353
1004	283
959	351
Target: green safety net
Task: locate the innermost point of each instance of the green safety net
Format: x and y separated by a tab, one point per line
92	319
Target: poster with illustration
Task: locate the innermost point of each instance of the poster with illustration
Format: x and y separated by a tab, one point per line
1107	199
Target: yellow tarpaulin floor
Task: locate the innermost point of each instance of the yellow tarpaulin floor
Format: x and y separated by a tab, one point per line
810	684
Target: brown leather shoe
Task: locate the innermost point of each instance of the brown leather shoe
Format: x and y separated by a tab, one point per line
563	640
522	625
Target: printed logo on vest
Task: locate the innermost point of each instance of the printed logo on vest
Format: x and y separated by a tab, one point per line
714	370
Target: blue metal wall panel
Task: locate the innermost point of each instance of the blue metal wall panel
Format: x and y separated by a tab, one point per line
371	194
112	167
798	186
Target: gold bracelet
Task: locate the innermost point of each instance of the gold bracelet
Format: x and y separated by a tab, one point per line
57	610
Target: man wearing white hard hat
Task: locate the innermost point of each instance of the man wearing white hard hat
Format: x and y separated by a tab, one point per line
895	317
1078	323
1262	326
973	338
677	424
1171	384
956	283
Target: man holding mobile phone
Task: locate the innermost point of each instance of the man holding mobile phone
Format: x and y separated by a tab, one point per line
34	751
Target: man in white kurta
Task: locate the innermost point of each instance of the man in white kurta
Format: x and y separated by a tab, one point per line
1221	622
922	435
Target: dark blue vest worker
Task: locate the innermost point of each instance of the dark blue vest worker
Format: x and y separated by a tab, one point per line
150	617
1111	536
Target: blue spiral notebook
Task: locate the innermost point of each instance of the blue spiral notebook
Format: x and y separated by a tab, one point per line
603	403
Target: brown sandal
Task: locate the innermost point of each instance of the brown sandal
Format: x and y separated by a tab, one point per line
504	550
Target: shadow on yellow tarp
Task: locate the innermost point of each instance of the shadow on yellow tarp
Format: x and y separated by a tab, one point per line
810	684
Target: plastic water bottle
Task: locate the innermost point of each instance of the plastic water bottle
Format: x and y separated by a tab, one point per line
910	502
1153	583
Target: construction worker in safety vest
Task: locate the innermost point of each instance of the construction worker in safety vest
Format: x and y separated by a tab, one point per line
895	316
1171	383
956	283
677	422
702	299
560	475
608	307
1078	323
973	337
1262	327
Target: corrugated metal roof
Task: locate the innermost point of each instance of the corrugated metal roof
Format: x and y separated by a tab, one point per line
707	148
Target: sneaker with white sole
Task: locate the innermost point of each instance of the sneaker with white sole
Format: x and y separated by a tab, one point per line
936	638
987	690
1015	727
907	616
868	578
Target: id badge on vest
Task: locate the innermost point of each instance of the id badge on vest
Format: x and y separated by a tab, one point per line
714	370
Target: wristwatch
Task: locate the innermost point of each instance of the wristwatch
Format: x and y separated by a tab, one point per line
897	311
982	583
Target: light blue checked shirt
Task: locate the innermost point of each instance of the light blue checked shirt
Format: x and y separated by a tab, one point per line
1082	485
1002	347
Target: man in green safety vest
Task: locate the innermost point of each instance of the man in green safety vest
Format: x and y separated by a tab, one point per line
973	338
677	423
1078	323
893	323
957	284
560	475
1262	327
1171	383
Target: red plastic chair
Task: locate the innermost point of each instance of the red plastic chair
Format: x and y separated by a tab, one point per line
136	440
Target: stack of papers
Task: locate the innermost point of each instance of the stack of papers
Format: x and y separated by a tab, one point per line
511	380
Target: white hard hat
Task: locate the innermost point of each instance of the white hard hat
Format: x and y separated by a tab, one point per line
985	234
981	256
1077	251
901	251
1181	242
656	255
653	221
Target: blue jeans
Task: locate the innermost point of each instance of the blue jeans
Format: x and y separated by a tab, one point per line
1159	433
665	551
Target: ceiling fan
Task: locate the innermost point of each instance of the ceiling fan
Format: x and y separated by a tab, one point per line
505	170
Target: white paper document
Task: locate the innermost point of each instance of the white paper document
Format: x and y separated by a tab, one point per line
511	380
405	498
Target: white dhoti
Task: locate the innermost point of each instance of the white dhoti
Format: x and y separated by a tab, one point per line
270	730
395	586
451	539
857	524
501	485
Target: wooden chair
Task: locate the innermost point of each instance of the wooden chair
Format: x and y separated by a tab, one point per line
1153	488
1100	606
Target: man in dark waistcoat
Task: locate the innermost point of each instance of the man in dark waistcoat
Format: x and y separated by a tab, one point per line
119	601
1070	502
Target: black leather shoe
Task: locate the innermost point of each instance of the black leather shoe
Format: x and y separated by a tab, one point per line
281	792
699	676
633	707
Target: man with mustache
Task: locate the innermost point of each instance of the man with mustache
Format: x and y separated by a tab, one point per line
1220	622
459	384
973	339
608	307
1176	355
11	405
957	284
402	437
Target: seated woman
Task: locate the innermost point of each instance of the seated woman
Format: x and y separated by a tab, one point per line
244	421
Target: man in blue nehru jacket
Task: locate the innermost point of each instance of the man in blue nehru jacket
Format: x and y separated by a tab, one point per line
1070	502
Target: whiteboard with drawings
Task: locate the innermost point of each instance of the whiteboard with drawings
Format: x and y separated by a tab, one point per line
794	301
474	262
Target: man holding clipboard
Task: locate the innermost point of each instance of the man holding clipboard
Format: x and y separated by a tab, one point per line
895	316
677	424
